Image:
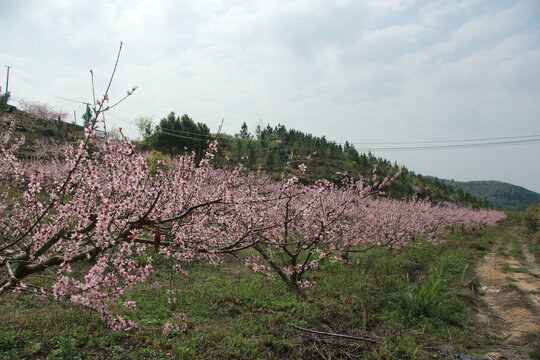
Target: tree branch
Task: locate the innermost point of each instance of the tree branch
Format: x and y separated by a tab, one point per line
187	212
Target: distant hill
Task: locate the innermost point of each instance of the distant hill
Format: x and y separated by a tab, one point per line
499	194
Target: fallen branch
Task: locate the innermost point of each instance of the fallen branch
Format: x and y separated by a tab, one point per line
342	336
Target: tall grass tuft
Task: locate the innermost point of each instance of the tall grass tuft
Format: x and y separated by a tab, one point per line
422	299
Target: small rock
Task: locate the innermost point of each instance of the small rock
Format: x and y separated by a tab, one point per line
461	356
495	356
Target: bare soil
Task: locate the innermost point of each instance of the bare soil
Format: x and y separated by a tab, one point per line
511	294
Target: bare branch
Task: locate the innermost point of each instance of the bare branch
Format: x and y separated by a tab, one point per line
187	212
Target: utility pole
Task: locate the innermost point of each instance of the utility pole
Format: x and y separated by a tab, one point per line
7	79
219	130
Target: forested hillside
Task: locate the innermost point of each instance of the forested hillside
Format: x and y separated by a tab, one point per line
499	194
270	148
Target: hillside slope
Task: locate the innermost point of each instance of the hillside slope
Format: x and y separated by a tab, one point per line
270	150
499	194
39	133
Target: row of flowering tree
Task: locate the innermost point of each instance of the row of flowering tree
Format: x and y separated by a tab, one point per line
105	207
298	226
104	204
100	202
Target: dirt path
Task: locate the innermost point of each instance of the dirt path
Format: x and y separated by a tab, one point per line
510	280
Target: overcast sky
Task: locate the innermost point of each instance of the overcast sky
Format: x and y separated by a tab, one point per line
372	71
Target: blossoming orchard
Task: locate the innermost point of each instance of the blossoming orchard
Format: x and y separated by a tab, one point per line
99	202
83	222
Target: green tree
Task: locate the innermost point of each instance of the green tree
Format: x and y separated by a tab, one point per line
244	134
61	127
175	135
166	135
271	158
87	116
4	98
251	156
258	132
531	219
144	125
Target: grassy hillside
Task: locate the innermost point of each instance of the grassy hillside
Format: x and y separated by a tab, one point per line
37	131
499	194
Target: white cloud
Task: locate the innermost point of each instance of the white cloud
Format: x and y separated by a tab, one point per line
389	5
357	71
394	34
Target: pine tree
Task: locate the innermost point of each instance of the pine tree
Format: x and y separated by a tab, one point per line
87	116
244	134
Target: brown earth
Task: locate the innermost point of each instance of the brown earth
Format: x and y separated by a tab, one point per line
510	279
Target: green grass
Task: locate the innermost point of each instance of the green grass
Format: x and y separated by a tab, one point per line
534	247
505	249
535	340
405	299
516	250
510	270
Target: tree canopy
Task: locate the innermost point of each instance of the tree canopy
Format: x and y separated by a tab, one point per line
174	135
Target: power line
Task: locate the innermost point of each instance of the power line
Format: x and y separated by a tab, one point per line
477	140
186	132
69	99
444	141
456	146
120	118
466	143
184	137
523	140
52	94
